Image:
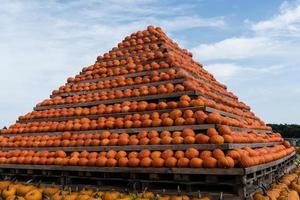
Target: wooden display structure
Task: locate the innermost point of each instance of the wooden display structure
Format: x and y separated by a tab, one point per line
235	183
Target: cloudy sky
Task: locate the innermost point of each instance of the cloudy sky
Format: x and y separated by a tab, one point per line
251	46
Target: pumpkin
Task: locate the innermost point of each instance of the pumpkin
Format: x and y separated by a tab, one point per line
191	153
171	162
196	162
158	162
146	162
213	118
167	154
211	131
216	139
218	153
225	162
201	139
34	195
183	162
224	130
111	162
133	162
209	162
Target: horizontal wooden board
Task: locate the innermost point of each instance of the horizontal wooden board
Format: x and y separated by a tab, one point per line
225	146
135	86
136	130
161	49
213	171
129	75
124	130
210	109
209	171
250	170
250	130
194	108
112	101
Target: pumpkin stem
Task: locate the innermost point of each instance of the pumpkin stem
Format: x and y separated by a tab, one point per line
27	182
178	190
144	191
199	194
221	196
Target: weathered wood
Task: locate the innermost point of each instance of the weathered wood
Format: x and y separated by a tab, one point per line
194	108
270	164
129	75
210	109
134	86
112	101
161	49
233	128
125	130
134	130
211	171
161	147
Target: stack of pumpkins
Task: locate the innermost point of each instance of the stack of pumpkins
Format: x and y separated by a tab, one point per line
133	87
221	135
25	191
288	187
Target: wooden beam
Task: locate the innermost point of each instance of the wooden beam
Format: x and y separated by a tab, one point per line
112	101
161	147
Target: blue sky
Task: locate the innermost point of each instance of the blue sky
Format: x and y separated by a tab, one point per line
251	46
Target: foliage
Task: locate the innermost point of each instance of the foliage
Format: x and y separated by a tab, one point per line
287	130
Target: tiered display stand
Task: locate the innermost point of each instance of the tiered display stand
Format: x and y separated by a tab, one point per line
234	183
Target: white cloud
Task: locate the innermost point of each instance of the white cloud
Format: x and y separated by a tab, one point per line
225	71
41	44
234	48
186	22
261	64
286	22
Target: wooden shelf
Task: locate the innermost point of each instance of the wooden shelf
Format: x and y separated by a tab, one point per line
129	75
163	50
158	42
125	130
249	130
214	171
174	147
227	114
250	170
134	86
112	101
207	171
120	114
136	130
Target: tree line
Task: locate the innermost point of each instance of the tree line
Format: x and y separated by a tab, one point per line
287	130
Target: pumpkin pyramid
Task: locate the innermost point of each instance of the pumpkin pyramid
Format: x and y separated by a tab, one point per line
145	104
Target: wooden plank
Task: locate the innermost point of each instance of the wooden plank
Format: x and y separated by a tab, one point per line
159	43
125	130
129	75
112	101
252	145
210	109
161	49
249	130
267	165
206	171
161	147
131	130
194	108
135	86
